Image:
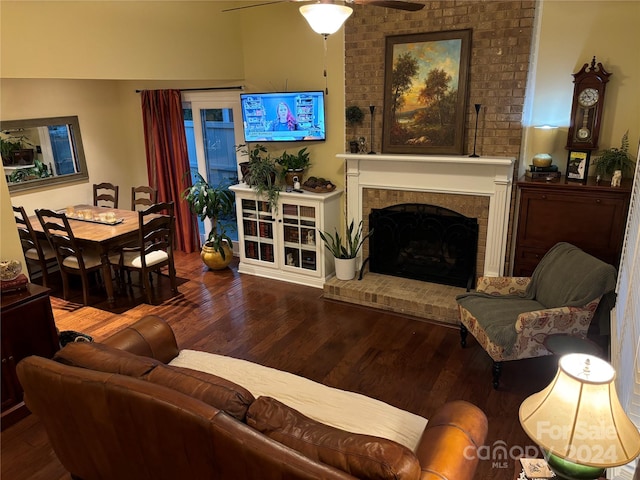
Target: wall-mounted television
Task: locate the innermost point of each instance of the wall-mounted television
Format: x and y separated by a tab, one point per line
283	117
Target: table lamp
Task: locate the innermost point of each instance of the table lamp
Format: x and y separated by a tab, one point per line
543	144
578	420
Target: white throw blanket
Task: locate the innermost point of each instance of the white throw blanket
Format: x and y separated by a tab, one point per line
348	411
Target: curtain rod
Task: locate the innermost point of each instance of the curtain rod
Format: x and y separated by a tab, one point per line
235	87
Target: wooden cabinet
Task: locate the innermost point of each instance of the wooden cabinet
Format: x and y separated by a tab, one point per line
28	328
591	217
286	245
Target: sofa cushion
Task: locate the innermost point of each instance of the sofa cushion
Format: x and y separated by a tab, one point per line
341	409
223	394
211	389
100	357
362	456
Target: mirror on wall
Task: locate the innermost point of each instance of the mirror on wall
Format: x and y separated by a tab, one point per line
42	152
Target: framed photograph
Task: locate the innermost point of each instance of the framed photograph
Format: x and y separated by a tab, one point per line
578	165
425	92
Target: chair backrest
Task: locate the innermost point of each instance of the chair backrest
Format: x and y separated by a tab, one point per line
568	276
28	237
58	231
143	196
109	195
156	229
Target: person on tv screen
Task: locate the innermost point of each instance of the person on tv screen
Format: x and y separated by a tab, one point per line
285	121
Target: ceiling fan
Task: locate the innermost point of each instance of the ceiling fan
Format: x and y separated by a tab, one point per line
327	16
395	4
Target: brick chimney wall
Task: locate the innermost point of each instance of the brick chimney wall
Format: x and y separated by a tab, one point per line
501	42
500	51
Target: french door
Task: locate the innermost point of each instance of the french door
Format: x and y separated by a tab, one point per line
213	127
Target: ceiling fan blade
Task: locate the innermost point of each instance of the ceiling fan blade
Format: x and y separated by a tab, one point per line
255	5
397	4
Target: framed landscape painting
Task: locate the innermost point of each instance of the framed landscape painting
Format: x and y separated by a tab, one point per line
425	92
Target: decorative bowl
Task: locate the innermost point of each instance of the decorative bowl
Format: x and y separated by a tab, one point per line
10	269
542	160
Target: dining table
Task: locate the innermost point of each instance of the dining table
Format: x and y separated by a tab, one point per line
100	229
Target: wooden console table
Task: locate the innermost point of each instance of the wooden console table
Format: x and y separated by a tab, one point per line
591	217
27	328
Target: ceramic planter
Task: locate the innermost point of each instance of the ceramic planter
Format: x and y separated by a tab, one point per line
345	268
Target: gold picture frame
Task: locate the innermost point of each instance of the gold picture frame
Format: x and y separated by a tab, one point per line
425	92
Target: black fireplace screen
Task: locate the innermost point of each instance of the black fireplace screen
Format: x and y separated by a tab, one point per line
424	242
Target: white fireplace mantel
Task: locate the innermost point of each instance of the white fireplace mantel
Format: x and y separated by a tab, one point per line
459	175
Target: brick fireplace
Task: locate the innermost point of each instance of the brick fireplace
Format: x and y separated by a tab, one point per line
475	187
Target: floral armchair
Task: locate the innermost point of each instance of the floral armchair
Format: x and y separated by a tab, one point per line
511	317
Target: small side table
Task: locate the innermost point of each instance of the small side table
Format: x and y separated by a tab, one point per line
561	344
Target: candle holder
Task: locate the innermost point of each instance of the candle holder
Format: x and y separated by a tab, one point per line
475	135
372	109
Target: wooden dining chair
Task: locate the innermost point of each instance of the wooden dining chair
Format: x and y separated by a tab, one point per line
105	192
39	255
143	197
71	259
154	250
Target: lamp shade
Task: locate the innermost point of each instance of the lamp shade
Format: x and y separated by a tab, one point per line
325	18
578	416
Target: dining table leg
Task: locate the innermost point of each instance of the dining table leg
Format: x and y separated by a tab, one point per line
106	274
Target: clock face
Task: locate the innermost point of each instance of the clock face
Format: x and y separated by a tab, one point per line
583	133
588	97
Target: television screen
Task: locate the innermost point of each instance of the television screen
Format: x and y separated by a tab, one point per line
283	117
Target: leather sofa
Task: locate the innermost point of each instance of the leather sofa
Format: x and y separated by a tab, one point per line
119	410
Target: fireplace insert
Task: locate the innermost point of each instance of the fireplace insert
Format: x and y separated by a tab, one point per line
424	242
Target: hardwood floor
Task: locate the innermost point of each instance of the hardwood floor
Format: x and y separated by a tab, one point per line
413	364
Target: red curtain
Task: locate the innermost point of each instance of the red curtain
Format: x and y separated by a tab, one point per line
167	159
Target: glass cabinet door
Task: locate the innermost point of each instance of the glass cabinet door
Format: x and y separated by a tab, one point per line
299	235
257	225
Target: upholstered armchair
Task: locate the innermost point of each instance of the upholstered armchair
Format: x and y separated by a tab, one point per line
511	317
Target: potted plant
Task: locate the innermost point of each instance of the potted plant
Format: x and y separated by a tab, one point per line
215	203
614	158
294	165
16	150
354	116
260	173
39	170
345	249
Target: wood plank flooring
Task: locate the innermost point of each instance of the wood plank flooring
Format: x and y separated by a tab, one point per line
412	364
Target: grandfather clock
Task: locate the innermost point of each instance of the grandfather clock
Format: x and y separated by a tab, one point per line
586	108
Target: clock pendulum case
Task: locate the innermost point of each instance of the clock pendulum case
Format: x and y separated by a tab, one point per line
586	112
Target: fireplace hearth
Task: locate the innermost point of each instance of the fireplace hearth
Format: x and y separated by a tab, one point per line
424	242
477	188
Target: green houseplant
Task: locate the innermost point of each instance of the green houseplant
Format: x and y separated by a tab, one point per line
215	203
39	170
260	173
345	249
16	149
293	165
354	116
612	159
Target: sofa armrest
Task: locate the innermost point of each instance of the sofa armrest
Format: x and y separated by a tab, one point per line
502	285
150	336
449	443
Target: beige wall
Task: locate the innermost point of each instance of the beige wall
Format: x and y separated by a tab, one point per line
164	40
606	29
10	248
283	53
265	48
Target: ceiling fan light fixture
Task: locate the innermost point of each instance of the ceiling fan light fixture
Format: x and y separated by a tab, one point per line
325	18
